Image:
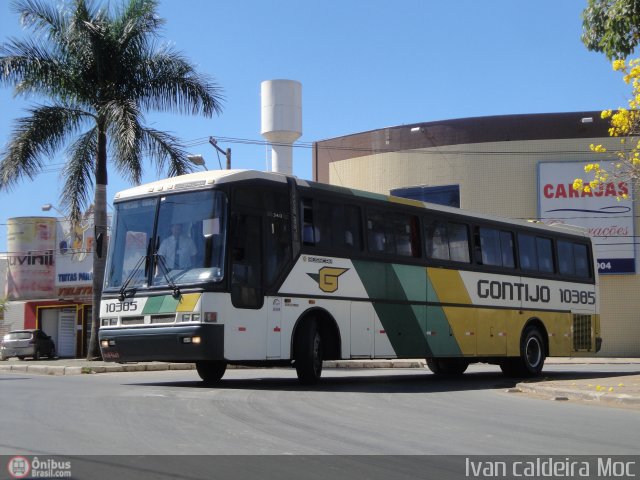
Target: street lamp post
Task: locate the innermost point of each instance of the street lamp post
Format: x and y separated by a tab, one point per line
226	153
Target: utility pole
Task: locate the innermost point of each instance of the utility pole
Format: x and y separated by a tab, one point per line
226	153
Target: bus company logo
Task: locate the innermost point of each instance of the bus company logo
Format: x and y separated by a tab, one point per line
19	467
326	261
327	278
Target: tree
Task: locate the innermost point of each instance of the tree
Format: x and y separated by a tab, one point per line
611	27
99	70
625	123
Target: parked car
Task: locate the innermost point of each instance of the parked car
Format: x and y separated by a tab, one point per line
27	343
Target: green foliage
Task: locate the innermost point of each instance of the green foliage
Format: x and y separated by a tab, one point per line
99	71
612	27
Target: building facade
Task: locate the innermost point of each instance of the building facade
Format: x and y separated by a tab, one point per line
47	280
515	166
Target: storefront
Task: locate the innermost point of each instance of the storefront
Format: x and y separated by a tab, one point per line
49	280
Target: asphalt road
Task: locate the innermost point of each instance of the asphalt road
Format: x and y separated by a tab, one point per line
258	411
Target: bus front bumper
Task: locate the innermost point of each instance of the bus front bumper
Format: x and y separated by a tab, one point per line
183	343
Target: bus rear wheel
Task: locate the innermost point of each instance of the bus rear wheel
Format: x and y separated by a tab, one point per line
447	367
211	371
532	356
308	353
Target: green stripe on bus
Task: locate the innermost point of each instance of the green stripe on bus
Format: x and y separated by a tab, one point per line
163	304
403	323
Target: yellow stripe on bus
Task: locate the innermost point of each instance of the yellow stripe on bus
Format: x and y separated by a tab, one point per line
449	286
188	302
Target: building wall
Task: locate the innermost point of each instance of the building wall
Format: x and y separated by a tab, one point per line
13	317
501	178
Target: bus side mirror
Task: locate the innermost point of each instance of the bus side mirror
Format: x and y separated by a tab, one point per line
210	227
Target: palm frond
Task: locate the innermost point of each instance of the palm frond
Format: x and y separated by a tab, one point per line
168	82
78	174
125	134
33	68
137	23
87	32
35	138
41	16
167	151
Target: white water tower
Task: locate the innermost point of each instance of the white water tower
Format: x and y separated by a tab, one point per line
281	125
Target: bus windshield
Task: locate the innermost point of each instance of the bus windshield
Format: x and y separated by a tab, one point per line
185	245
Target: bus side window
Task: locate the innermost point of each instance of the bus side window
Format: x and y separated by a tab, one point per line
437	240
507	250
581	256
308	233
566	262
527	252
544	248
393	234
458	236
330	225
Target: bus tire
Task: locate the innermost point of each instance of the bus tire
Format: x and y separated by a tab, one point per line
308	353
211	371
447	367
532	355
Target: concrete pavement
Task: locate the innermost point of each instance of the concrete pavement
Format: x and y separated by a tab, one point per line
613	389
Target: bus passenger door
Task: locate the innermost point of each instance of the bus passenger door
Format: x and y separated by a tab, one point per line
245	330
246	261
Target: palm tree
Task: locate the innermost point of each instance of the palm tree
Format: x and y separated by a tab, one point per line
99	70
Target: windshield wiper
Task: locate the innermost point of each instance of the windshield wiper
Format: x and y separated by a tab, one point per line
165	272
130	292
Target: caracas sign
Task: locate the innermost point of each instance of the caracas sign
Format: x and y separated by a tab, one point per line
610	222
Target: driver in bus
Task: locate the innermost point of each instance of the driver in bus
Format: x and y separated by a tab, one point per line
178	250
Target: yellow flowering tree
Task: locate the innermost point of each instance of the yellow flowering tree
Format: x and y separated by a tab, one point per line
624	123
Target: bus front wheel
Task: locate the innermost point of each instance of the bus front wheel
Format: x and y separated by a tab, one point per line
211	371
308	353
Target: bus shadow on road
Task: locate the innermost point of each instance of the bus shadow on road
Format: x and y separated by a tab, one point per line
376	382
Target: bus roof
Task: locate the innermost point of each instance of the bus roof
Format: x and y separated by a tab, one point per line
217	177
198	179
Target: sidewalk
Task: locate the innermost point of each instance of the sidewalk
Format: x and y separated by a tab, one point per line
617	388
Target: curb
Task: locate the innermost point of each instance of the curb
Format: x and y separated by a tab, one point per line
83	370
160	366
562	393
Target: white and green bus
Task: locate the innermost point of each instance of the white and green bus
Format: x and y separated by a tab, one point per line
263	269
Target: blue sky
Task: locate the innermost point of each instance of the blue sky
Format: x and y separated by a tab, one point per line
363	65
